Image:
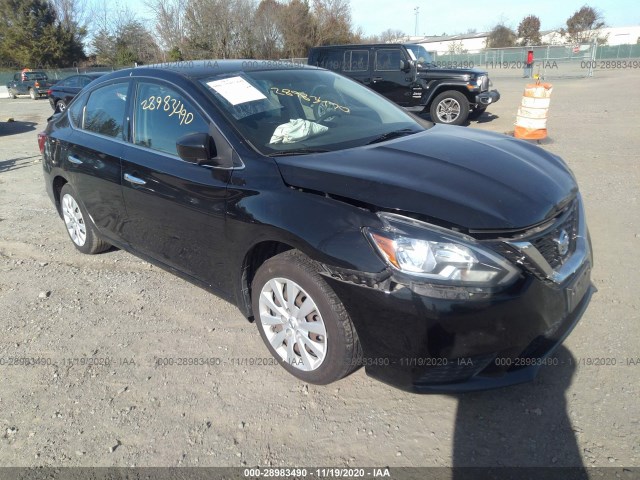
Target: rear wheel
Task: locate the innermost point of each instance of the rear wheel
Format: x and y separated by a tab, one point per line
450	107
79	227
302	321
61	106
12	94
33	94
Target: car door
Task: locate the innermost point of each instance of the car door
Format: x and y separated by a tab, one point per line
387	77
90	152
176	209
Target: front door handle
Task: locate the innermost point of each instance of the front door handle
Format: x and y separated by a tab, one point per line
377	79
75	160
134	180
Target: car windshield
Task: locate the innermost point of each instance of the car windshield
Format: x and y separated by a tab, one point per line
422	56
298	111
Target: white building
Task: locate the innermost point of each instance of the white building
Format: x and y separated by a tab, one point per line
476	42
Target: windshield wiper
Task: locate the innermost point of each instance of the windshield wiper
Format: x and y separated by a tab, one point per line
393	134
297	151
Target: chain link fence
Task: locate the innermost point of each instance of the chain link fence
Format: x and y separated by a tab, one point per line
550	61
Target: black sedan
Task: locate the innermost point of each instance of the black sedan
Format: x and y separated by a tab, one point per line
440	258
61	94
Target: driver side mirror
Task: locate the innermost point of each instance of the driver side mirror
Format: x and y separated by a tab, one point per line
405	65
199	148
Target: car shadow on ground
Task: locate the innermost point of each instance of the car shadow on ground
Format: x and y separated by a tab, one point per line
486	117
16	127
526	425
17	163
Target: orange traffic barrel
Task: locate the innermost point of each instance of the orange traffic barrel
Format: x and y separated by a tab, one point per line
531	120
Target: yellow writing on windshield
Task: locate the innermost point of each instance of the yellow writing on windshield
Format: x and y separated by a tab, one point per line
312	99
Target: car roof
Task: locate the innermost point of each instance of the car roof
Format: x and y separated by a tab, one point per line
198	69
360	45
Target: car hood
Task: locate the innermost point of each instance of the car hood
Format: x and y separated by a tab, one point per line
460	176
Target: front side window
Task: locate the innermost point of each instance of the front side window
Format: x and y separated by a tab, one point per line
76	109
105	109
388	60
162	115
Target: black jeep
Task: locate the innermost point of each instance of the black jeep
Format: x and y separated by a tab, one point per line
407	74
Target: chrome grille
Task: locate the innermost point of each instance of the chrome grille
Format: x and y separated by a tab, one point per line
547	244
545	253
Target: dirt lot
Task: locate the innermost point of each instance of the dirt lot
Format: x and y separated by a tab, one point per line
61	306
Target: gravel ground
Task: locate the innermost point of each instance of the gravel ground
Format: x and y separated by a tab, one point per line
118	408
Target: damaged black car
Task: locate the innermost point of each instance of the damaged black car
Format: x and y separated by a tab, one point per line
351	232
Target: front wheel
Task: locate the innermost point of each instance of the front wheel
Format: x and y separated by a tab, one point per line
302	321
450	107
12	94
33	94
79	227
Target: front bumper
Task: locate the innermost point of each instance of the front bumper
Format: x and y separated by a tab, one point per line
423	339
428	345
486	98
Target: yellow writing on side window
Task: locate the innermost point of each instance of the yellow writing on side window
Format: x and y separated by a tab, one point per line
171	106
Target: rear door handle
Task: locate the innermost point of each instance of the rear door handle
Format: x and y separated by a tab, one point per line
377	79
134	180
75	160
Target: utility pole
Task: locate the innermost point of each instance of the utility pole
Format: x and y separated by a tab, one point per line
416	12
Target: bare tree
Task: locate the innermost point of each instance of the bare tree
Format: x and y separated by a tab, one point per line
332	22
392	36
269	37
169	22
529	31
294	22
220	28
584	25
501	36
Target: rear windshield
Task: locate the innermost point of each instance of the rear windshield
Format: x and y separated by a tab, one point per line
36	76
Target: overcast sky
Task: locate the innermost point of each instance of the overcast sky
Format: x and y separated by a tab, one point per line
458	16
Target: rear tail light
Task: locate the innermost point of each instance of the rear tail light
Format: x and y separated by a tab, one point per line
42	138
37	85
49	92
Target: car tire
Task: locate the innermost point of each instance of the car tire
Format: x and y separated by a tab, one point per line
476	113
60	106
324	343
33	94
12	94
79	226
450	107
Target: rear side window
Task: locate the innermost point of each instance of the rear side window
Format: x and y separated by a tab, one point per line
162	115
356	61
329	59
105	109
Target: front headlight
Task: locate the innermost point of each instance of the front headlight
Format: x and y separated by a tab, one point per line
438	255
